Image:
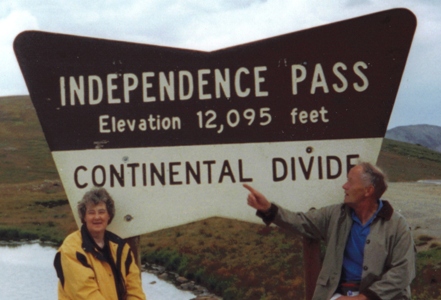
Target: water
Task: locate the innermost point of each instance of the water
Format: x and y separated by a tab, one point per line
27	272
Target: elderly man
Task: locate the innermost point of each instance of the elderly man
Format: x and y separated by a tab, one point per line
93	263
370	252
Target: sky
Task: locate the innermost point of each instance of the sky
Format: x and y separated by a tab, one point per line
210	25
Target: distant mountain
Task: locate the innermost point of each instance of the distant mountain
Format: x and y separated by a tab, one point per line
428	136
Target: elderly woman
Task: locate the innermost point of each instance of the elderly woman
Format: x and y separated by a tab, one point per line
93	263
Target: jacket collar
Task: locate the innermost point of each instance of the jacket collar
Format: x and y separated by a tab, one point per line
89	244
385	212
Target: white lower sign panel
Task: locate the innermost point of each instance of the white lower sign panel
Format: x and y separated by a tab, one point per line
157	188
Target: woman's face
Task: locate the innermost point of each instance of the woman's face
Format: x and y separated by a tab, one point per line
96	218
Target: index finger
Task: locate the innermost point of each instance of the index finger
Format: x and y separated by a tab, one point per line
250	188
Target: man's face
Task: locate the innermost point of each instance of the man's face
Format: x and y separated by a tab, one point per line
96	218
355	188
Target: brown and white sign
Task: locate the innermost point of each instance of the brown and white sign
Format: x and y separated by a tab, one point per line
173	133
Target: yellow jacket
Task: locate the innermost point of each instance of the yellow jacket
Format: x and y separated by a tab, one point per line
84	272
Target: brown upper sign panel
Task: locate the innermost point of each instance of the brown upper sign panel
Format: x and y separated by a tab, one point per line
337	81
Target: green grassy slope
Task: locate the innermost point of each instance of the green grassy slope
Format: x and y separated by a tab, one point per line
24	154
408	162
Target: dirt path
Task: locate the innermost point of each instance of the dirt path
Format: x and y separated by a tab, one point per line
420	204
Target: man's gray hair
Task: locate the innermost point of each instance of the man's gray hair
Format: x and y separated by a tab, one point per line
96	196
374	176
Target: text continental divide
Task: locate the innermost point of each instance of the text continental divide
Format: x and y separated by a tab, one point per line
210	171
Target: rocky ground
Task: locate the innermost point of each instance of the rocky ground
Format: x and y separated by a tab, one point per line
420	204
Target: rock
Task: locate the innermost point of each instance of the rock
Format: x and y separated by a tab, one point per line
189	286
175	275
200	290
207	297
163	276
160	269
181	279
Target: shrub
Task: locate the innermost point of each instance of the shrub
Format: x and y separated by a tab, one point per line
13	234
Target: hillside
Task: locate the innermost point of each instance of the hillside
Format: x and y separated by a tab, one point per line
428	136
236	259
24	153
407	162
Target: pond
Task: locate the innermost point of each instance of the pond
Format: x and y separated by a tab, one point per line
27	272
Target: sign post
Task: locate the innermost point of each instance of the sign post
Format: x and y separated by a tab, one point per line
134	243
312	265
173	133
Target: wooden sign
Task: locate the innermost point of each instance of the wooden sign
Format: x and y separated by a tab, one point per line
173	133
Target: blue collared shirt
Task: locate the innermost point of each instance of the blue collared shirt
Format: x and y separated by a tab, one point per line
354	251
